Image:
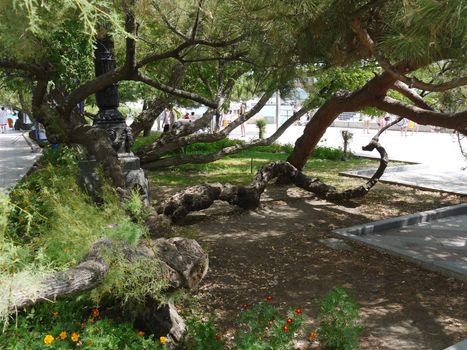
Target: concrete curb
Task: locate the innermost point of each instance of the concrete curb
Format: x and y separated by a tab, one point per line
462	345
402	221
357	234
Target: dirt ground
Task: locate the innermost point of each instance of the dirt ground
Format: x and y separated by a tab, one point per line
279	250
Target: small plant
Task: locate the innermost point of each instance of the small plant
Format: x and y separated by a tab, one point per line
203	336
261	326
338	314
261	125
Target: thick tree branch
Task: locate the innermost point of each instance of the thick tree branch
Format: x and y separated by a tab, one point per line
457	121
411	95
206	158
32	68
412	82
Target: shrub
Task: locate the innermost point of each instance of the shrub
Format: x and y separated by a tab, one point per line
261	125
71	324
338	313
327	153
203	336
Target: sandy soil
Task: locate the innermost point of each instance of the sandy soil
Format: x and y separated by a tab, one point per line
280	250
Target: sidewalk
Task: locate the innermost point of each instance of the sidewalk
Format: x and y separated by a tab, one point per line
439	159
16	158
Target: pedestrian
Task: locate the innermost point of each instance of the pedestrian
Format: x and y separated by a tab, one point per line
241	112
403	126
3	119
366	124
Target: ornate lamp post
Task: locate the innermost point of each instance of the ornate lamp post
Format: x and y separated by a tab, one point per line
110	119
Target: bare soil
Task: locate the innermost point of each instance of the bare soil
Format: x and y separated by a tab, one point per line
278	250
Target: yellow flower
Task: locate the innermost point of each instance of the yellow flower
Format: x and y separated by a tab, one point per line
74	337
48	339
63	335
55	314
163	340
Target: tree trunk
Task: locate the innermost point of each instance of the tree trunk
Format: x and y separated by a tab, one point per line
184	263
342	101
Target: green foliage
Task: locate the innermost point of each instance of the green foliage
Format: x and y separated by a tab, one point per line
135	207
261	125
142	141
70	324
262	327
339	328
203	336
131	283
327	153
259	327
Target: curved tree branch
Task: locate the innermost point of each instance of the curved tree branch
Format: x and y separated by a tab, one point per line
457	121
411	95
207	158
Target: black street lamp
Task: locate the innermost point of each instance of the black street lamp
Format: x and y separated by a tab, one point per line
110	119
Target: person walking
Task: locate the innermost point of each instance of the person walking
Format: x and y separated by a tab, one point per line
403	126
3	119
366	124
241	112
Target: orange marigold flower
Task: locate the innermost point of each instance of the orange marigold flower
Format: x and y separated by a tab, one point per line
313	336
141	333
285	329
245	306
163	340
63	335
269	298
74	337
298	311
48	339
95	312
289	320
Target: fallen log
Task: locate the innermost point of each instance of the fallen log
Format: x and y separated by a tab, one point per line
183	264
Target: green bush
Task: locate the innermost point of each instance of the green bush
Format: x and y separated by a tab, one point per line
211	147
339	328
327	153
203	336
259	327
71	324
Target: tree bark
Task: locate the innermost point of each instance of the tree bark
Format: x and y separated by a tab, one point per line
184	263
202	196
372	91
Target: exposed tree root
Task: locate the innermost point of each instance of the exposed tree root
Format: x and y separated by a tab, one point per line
202	196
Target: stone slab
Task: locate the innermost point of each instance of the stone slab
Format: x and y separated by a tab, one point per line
421	176
435	239
459	346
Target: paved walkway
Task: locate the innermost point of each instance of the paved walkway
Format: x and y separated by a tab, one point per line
16	158
441	161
